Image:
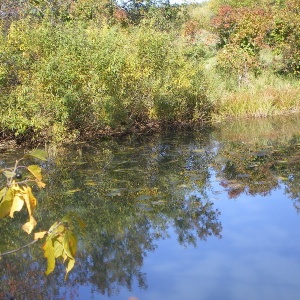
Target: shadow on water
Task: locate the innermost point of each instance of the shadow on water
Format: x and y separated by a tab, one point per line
131	193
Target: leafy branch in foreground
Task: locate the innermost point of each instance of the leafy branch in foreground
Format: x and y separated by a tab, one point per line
17	191
60	242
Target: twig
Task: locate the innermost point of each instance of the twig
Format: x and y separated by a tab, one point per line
14	171
24	181
13	251
31	243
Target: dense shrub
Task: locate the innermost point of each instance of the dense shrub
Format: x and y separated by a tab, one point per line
241	34
73	79
285	36
255	29
238	62
245	27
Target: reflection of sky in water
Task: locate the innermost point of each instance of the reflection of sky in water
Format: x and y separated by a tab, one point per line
258	256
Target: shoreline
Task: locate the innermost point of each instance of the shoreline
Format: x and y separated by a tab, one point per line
137	130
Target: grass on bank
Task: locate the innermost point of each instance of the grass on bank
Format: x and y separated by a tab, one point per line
265	95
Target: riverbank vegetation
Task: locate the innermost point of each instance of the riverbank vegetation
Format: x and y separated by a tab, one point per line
76	69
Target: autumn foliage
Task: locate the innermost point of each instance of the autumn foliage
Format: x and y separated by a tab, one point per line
61	242
256	28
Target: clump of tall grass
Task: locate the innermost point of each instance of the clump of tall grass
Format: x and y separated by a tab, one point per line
265	95
260	131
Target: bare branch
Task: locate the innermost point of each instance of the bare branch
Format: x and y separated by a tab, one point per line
29	244
13	251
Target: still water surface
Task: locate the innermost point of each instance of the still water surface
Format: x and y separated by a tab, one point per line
209	214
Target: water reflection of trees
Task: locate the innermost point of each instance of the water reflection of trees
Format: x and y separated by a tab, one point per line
131	193
261	160
129	196
246	169
22	277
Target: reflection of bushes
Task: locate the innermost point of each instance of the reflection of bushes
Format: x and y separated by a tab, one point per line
127	204
260	167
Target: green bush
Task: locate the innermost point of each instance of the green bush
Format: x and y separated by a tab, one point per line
75	79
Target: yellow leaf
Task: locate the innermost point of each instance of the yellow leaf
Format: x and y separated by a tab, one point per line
60	238
30	200
17	204
35	171
70	266
40	235
65	256
7	195
27	227
49	255
3	193
16	187
41	184
71	192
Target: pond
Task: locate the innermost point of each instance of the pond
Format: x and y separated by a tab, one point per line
205	214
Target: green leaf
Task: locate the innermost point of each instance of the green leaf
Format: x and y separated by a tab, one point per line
49	255
36	171
38	153
5	207
60	229
58	248
52	230
69	217
81	223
